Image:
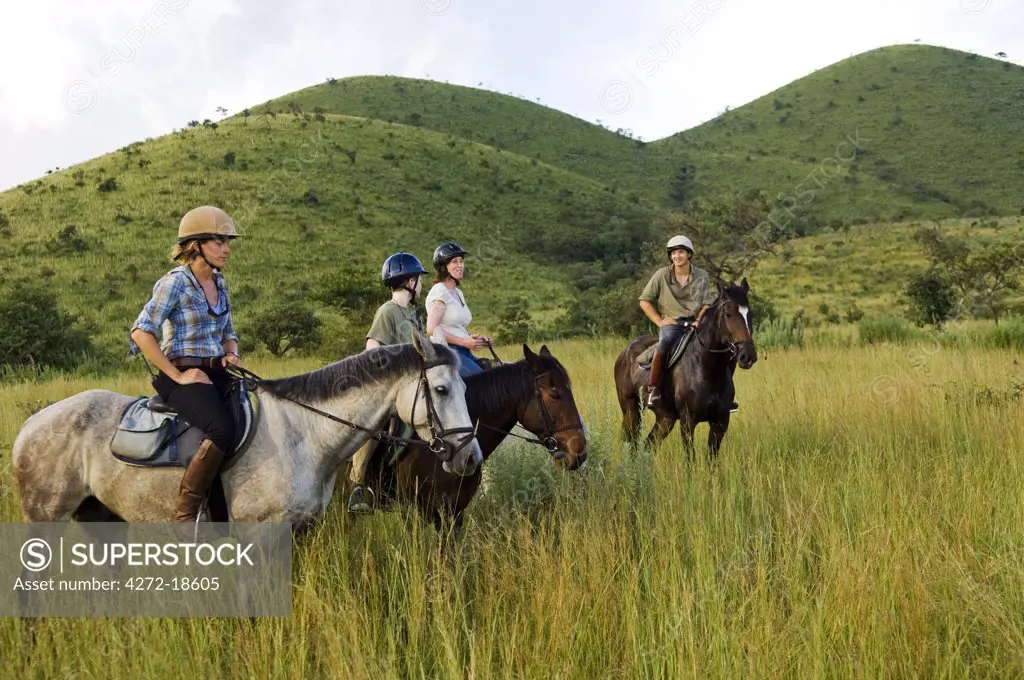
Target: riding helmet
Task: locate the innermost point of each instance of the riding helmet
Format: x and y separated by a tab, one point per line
206	222
446	252
400	267
677	242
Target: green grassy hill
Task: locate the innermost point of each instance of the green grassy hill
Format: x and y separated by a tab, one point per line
876	263
315	199
329	180
498	120
942	135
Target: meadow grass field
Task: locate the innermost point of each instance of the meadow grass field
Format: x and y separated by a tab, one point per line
863	520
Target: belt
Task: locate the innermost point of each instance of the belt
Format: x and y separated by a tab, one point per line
205	362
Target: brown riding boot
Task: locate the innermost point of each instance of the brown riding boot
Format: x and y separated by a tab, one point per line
199	475
654	392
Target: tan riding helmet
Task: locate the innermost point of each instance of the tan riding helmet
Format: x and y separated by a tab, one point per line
677	242
206	222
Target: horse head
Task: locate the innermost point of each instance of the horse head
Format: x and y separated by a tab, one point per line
553	415
732	321
435	404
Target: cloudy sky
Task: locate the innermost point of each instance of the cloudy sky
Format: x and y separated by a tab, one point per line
81	78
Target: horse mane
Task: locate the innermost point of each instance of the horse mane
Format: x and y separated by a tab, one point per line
337	378
491	392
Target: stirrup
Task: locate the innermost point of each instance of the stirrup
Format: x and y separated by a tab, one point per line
735	407
653	397
362	507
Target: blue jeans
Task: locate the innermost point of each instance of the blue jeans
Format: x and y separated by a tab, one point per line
467	362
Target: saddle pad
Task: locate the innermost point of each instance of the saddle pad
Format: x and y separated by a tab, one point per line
647	356
149	439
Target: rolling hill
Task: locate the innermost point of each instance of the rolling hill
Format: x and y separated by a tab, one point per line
329	180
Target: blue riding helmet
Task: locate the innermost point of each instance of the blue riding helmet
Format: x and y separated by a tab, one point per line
398	268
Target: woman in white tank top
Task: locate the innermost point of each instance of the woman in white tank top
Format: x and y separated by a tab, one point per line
448	315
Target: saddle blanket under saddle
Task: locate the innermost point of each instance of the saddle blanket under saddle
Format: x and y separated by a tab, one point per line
151	434
647	356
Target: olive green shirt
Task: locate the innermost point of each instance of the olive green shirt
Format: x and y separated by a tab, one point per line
673	300
394	324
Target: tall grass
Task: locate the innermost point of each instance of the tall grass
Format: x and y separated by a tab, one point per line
860	522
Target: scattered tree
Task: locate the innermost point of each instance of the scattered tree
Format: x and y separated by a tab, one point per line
931	298
287	326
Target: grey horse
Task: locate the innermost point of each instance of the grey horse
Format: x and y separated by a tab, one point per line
61	457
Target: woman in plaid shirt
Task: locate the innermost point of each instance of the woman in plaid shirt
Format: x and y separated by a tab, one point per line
191	310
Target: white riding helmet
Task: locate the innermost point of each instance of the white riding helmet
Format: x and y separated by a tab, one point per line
677	242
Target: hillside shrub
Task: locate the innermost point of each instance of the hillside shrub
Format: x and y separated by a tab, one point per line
287	326
514	323
36	331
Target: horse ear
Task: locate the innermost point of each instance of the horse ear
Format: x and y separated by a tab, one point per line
531	358
544	351
744	285
420	343
722	285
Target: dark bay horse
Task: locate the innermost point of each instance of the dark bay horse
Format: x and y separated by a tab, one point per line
699	387
534	392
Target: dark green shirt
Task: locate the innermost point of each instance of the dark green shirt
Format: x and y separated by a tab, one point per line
673	300
394	324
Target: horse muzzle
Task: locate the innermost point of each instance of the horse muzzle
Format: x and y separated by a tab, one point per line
746	355
569	454
465	462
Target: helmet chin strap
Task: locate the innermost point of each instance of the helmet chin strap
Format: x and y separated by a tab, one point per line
203	255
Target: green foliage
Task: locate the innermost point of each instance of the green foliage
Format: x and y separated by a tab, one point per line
878	330
980	271
930	296
36	331
780	333
287	326
514	323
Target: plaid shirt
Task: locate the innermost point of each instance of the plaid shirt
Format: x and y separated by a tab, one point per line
180	310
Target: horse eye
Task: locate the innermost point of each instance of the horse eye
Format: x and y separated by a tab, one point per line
556	394
441	389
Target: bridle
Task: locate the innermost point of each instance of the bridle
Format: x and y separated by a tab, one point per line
439	446
548	441
731	349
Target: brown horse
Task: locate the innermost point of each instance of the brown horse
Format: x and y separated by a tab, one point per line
699	387
535	392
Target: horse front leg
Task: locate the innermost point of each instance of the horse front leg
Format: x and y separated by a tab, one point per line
716	434
662	426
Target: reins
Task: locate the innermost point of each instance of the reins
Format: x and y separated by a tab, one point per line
441	448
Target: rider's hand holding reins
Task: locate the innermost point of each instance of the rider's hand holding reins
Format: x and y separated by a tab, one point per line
231	359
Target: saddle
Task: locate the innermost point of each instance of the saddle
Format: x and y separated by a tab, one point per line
675	352
152	434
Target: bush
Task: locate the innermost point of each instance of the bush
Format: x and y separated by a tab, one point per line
68	240
109	184
287	326
36	331
931	298
1007	335
874	331
514	323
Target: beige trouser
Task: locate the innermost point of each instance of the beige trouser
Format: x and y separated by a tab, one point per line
360	460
